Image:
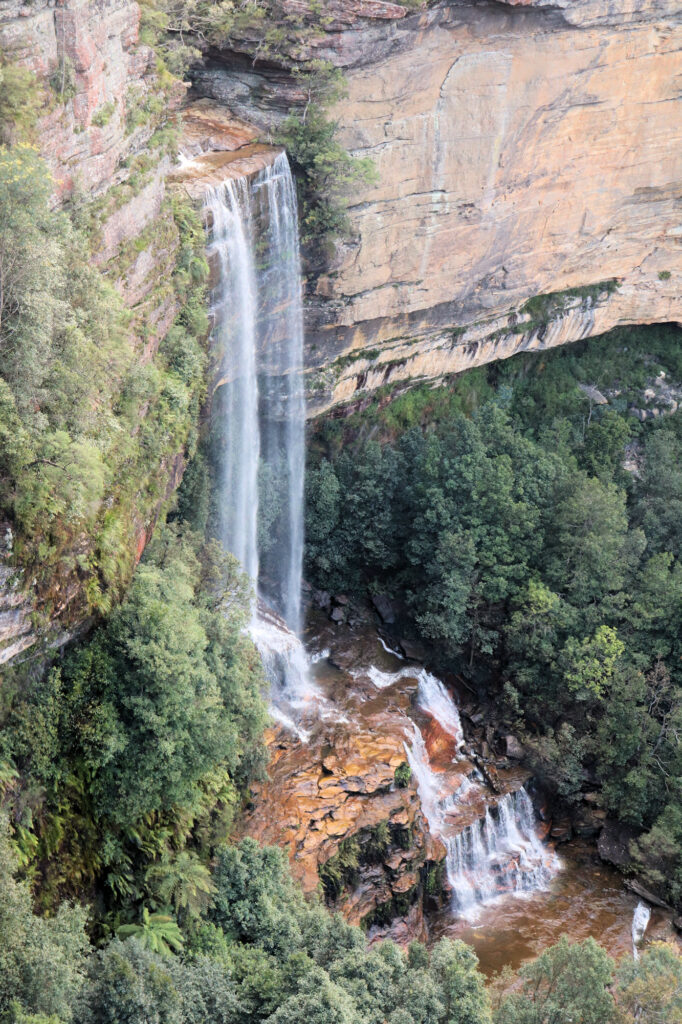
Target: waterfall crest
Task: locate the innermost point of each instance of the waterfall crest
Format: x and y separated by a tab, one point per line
257	311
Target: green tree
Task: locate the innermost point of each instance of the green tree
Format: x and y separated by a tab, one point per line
566	984
649	990
42	960
156	932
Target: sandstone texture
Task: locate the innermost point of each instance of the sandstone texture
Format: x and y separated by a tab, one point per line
523	149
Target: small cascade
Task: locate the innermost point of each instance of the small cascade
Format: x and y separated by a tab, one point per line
640	923
498	853
435	700
382	679
429	785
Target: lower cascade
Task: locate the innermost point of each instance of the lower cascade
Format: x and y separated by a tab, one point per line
500	852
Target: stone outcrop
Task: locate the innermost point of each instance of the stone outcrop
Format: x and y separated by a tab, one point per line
342	788
523	149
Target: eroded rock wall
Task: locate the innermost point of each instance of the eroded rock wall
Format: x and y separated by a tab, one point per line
522	149
103	102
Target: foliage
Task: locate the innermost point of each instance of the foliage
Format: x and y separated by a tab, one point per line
42	960
327	173
142	738
158	932
649	989
75	405
530	561
566	983
21	101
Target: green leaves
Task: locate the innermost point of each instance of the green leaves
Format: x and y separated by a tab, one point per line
589	663
156	932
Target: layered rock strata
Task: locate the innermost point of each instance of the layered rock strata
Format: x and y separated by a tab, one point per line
104	102
523	150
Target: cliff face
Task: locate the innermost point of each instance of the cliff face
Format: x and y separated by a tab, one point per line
523	149
101	109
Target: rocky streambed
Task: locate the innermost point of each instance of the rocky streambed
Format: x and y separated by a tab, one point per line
410	825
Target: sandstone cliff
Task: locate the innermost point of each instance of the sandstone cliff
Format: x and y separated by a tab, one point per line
523	149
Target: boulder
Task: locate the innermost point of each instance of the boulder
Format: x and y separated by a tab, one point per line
614	844
513	747
384	608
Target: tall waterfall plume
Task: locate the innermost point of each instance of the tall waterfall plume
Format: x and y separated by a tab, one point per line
258	330
234	309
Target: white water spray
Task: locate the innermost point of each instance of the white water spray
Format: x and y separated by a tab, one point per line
437	702
258	329
497	854
640	923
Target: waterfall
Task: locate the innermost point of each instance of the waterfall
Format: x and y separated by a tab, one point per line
640	923
283	401
257	314
437	702
499	853
234	314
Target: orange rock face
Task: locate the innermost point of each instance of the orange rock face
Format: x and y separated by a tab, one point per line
520	152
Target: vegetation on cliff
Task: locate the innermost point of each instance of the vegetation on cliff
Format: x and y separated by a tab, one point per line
259	952
499	515
88	432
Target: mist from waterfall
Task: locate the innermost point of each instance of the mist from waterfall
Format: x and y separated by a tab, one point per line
257	312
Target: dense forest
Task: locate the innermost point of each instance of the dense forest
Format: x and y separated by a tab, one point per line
495	511
499	515
126	762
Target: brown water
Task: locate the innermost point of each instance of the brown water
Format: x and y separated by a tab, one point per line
586	898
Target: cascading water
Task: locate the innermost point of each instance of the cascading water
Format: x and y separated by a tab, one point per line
282	399
258	330
640	923
498	853
437	702
234	314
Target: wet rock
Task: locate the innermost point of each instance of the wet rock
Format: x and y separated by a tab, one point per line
636	886
337	614
322	599
614	844
412	650
561	830
513	747
384	608
587	824
341	599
